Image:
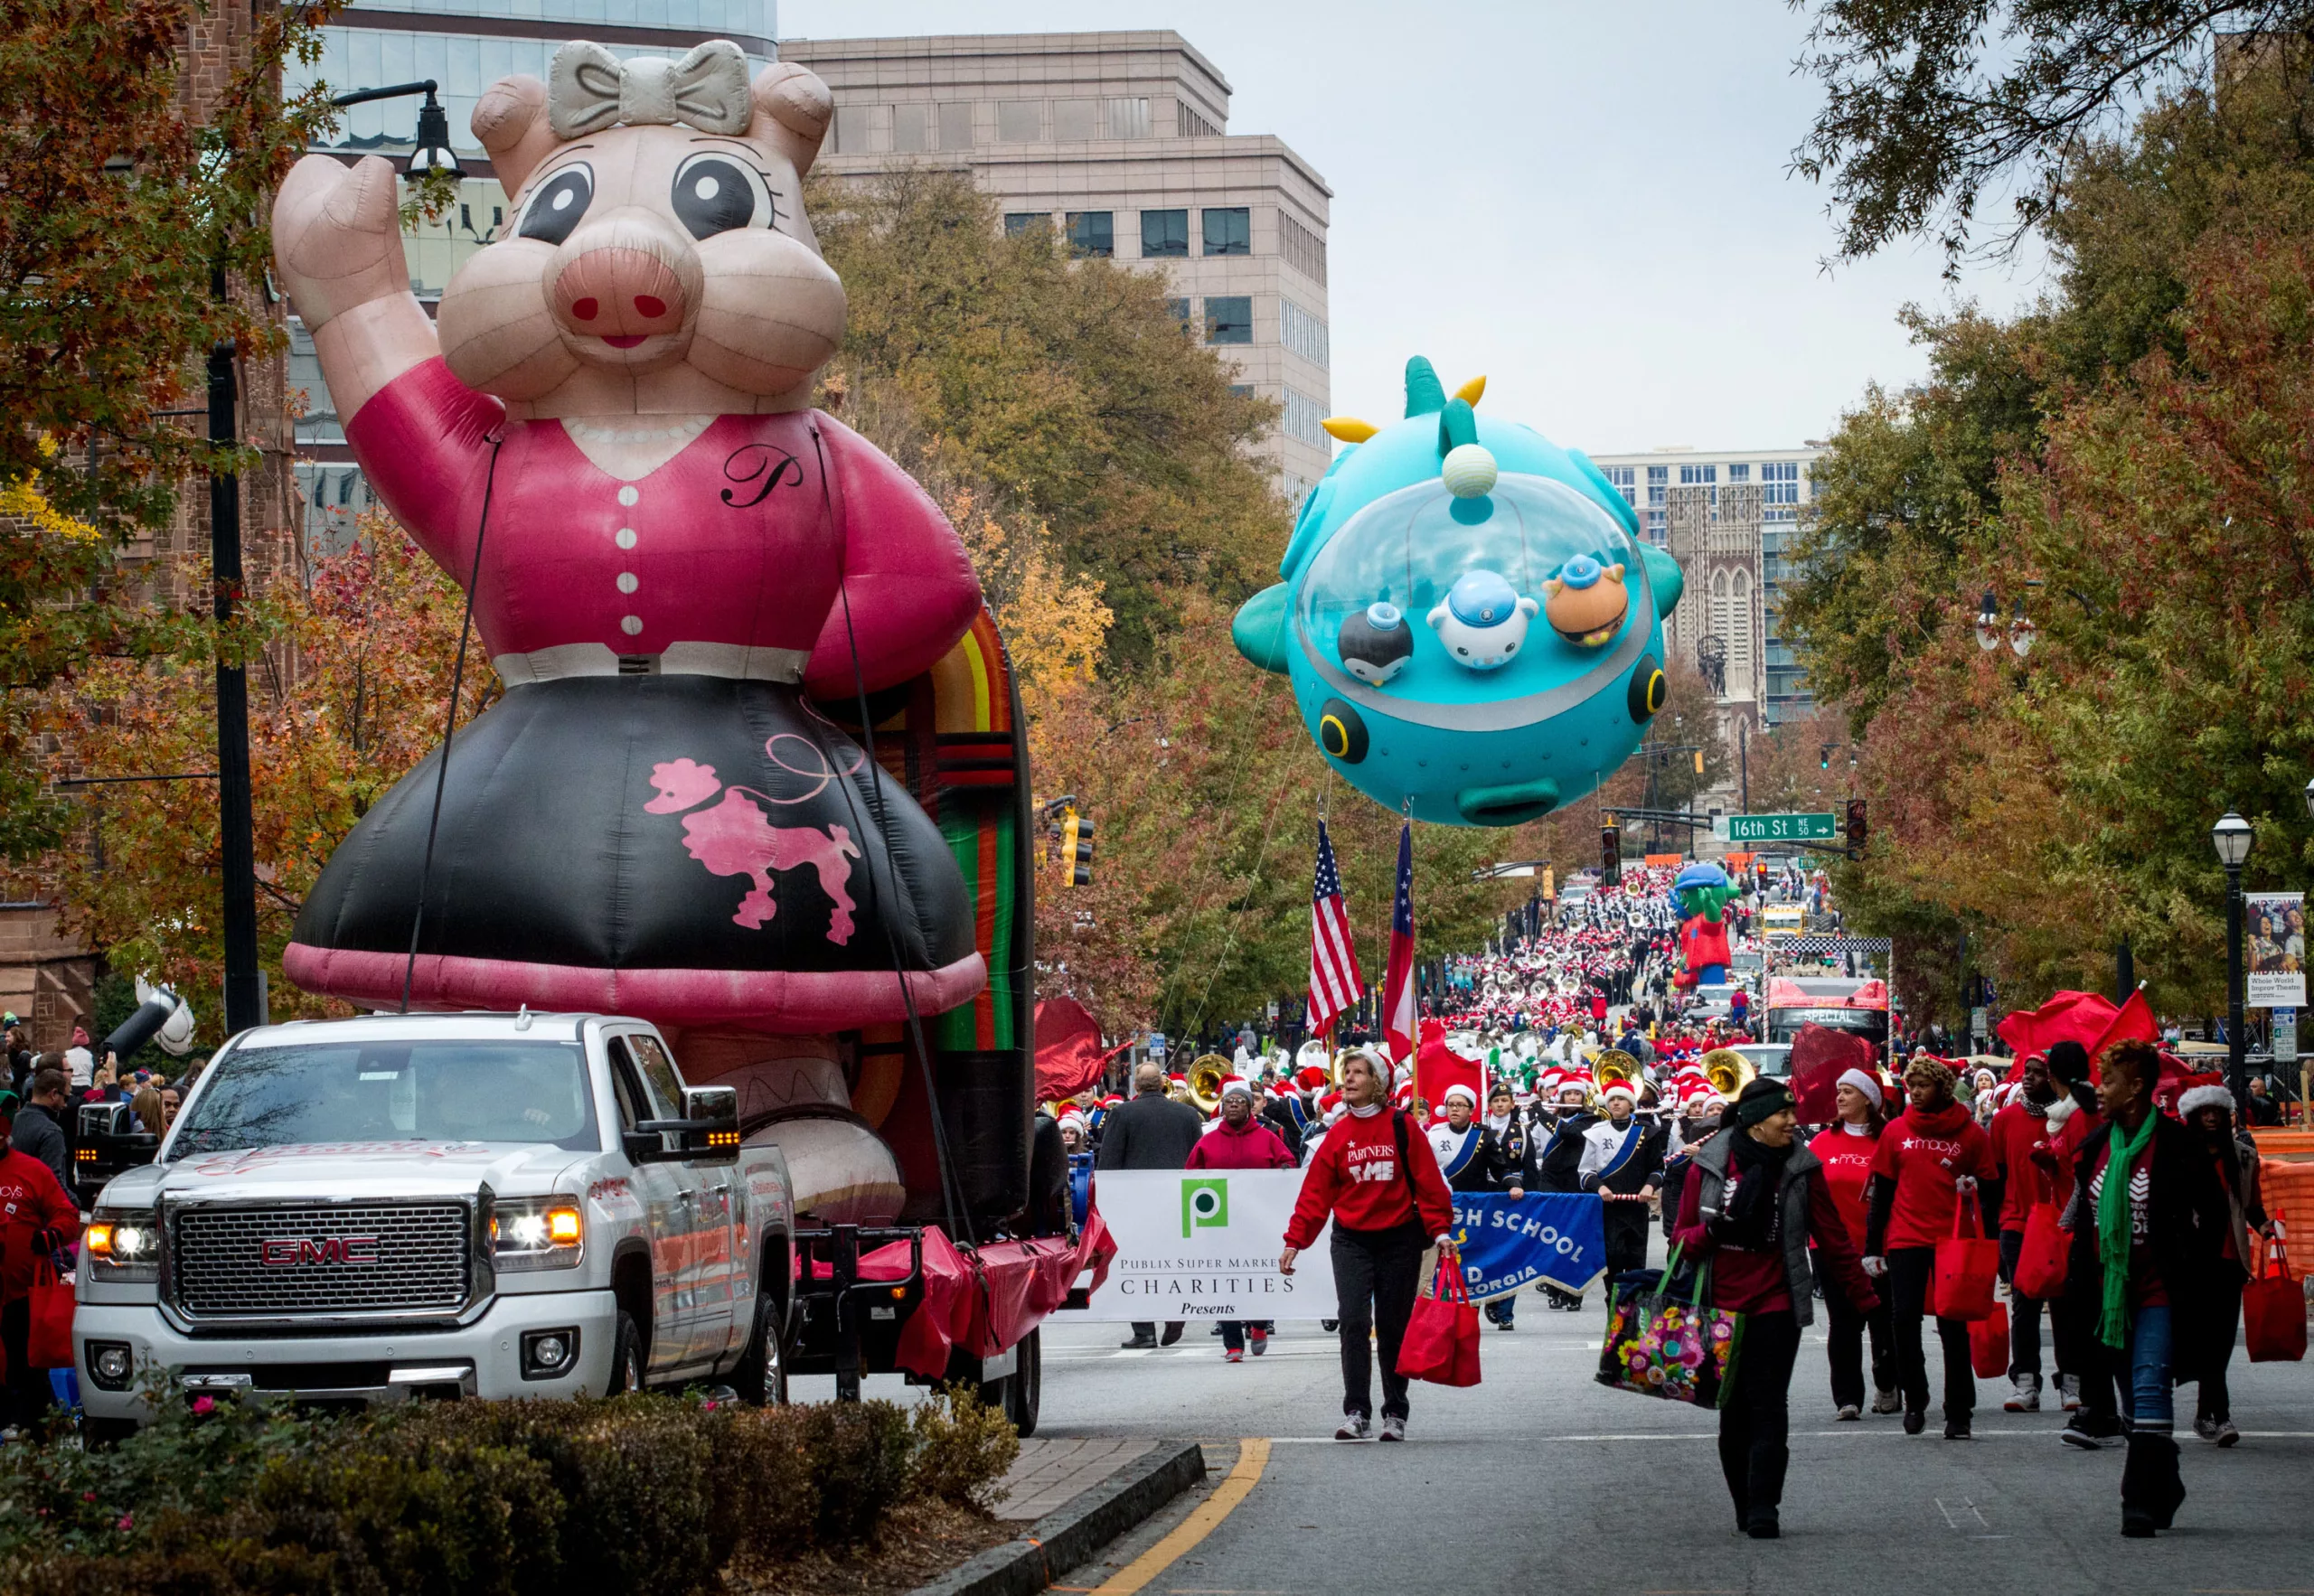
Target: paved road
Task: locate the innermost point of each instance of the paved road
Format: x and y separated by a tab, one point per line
1539	1479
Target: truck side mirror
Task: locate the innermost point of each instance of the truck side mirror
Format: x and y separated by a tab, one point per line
711	1131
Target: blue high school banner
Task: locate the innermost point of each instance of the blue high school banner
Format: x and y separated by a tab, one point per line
1507	1242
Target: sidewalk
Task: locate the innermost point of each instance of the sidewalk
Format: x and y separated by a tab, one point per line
1048	1474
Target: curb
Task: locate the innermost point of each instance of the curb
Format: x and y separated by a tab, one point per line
1061	1540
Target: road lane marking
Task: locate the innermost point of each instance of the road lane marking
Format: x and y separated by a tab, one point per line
1253	1456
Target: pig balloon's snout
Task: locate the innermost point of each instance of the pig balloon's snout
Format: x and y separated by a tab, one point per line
620	295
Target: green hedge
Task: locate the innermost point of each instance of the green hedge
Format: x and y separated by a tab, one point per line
522	1499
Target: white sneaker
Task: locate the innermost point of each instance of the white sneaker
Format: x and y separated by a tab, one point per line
1887	1402
1353	1428
2024	1395
1394	1428
2069	1391
1849	1411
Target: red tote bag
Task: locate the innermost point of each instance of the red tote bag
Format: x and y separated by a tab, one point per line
1966	1267
2045	1255
1988	1344
1441	1339
2273	1306
50	1345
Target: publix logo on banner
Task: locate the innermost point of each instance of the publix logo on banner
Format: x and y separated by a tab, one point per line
1205	1203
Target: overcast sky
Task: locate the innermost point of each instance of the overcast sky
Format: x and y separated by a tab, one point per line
1587	202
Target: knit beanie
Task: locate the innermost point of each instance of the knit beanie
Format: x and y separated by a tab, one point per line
1762	1100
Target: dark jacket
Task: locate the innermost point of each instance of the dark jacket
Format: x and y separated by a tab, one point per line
2188	1217
1807	1213
1562	1154
1151	1132
38	1133
1278	1115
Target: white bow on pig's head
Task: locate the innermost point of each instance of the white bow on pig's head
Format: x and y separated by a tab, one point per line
657	223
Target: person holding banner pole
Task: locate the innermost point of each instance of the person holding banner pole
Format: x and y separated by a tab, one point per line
1240	1141
1376	1179
1622	1163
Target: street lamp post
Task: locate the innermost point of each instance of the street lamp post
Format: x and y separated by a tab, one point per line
2232	837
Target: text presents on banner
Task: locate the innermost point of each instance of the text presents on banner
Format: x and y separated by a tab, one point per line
1508	1243
1204	1244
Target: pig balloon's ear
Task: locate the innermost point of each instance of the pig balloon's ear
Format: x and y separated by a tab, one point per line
793	111
510	122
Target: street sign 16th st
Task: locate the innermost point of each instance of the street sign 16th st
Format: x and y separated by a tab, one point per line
1783	828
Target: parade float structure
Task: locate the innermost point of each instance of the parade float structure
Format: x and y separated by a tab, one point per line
759	775
1701	892
1471	622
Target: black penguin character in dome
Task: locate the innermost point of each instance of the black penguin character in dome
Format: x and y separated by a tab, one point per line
1376	644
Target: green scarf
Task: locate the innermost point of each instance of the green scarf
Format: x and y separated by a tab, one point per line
2114	1228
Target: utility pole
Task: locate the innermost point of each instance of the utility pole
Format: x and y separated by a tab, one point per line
244	981
1743	758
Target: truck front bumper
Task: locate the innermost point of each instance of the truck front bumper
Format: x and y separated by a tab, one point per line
486	1358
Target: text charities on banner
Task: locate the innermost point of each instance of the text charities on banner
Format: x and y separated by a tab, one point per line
1510	1243
1204	1244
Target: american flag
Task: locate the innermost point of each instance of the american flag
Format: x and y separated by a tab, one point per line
1335	979
1397	986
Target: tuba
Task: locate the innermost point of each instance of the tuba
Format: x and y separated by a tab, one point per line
1615	1065
1206	1076
1728	1071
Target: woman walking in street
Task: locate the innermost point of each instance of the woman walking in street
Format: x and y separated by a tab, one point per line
2149	1220
1755	1201
1930	1156
2208	1113
1376	1177
1845	1149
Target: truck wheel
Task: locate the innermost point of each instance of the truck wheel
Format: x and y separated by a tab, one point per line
761	1377
627	1357
99	1435
1025	1389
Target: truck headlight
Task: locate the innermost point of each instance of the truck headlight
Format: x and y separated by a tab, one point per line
124	1246
538	1232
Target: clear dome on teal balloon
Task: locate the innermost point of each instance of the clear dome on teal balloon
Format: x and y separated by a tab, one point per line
1409	549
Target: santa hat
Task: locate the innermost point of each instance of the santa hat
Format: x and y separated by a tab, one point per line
1311	1078
1328	1103
1622	1089
1111	1101
2204	1091
1077	1120
1462	1091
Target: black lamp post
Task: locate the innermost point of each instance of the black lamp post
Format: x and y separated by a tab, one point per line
2233	837
245	1002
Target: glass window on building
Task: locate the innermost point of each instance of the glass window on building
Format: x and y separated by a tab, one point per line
1656	531
1074	120
1229	317
1229	232
1693	475
1625	480
1124	118
1303	334
956	126
1304	250
1164	235
911	129
1739	473
1092	232
1659	480
1181	309
1020	121
1017	222
1242	389
1780	490
1304	419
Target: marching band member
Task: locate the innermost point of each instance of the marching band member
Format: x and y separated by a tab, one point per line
1622	1160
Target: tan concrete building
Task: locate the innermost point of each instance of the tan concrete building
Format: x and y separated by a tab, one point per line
1120	142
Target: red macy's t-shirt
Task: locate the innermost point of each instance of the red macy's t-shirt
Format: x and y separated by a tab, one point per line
1359	1177
1847	1166
1927	1155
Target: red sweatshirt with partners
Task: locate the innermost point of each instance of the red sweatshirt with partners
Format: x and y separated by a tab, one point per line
1359	1178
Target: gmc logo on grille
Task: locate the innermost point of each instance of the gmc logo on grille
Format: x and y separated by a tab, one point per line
278	1250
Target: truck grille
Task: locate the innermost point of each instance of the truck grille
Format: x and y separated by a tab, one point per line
321	1258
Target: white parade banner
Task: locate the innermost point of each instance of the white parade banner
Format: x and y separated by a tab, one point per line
1204	1244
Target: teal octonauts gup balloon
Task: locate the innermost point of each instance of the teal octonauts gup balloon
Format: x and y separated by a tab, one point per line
1473	627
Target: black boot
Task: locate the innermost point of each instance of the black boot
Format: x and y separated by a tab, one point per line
2152	1490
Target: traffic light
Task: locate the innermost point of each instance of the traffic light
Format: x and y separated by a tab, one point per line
1077	847
1699	760
1855	829
1611	856
1824	757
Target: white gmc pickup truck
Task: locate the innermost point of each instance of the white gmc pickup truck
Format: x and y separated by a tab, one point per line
480	1204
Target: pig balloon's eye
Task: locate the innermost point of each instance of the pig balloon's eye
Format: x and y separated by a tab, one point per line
714	193
559	203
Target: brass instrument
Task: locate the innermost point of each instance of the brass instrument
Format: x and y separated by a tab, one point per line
1206	1076
1615	1065
1728	1071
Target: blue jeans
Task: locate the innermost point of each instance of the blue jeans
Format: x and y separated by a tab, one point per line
2146	1395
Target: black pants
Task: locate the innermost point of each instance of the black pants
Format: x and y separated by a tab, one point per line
2025	1318
1626	1225
1848	1329
1147	1330
1756	1420
2215	1403
1912	1275
29	1395
1375	1281
1233	1331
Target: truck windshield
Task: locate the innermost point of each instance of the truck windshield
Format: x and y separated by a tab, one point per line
446	1091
